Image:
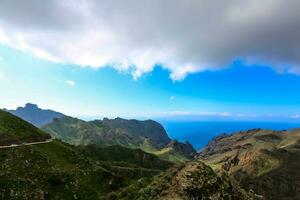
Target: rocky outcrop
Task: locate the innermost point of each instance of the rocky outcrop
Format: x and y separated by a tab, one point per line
195	181
139	130
184	148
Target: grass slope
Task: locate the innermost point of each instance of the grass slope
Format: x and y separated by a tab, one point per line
120	155
14	130
57	170
52	171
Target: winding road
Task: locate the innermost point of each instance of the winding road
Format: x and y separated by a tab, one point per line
26	144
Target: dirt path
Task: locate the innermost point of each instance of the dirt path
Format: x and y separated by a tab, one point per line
26	144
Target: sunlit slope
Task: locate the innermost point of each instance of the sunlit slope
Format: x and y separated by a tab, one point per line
263	160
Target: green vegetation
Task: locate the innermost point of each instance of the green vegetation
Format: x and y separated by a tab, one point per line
146	188
109	163
148	136
119	155
57	170
194	180
129	133
14	130
172	155
52	171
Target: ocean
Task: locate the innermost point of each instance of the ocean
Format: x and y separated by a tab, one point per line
200	133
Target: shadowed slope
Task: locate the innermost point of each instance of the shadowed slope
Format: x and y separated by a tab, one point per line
14	130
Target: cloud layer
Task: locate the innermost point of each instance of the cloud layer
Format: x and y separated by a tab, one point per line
184	36
70	82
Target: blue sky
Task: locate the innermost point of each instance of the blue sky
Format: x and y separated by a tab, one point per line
235	92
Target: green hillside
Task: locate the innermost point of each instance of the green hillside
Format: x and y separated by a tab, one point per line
120	155
14	130
52	171
78	132
57	170
147	135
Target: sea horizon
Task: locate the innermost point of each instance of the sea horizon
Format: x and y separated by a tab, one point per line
199	133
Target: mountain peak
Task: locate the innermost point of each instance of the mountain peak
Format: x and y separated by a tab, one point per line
31	106
35	115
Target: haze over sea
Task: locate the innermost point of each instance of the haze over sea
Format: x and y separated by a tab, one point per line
200	133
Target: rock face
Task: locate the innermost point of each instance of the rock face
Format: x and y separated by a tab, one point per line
264	161
34	115
213	146
139	130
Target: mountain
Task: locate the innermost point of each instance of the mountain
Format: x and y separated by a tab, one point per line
34	115
107	132
147	135
264	161
56	170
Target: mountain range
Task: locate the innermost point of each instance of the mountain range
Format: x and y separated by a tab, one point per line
147	135
57	170
69	158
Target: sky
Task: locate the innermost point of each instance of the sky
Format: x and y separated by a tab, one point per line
172	59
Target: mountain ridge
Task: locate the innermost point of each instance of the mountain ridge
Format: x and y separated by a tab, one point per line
147	135
35	115
264	161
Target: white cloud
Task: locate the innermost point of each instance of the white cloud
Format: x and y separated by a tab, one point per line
295	116
192	113
246	115
1	76
185	36
70	82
